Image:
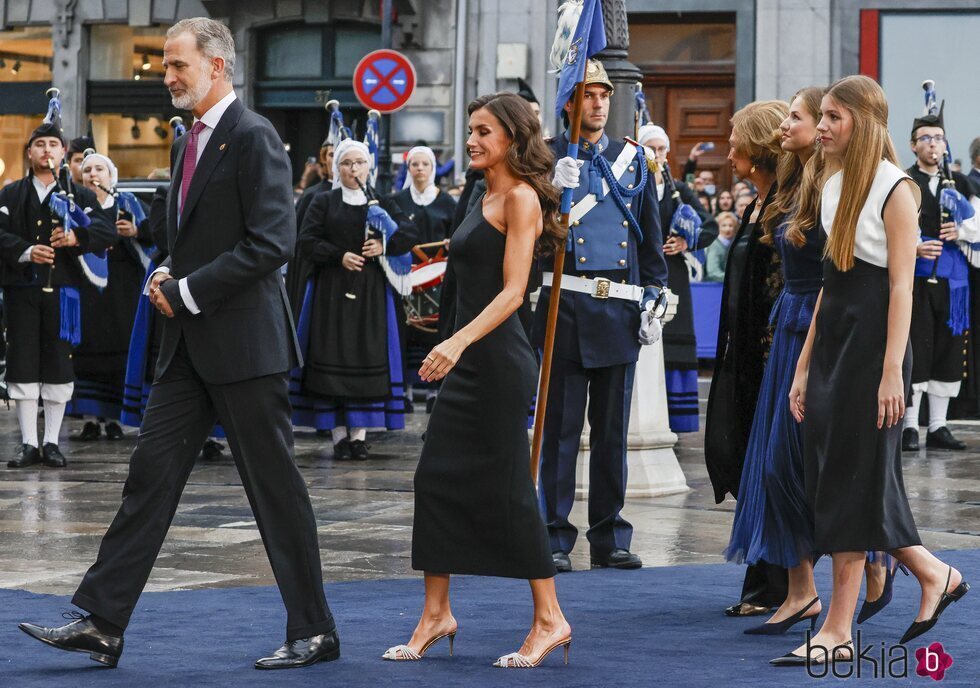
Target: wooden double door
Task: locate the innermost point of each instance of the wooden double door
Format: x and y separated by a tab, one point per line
693	109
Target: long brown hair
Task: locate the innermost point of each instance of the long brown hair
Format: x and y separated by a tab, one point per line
869	144
798	195
529	158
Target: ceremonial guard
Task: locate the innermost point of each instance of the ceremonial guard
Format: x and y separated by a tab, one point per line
431	211
687	227
108	313
44	233
352	378
941	301
614	271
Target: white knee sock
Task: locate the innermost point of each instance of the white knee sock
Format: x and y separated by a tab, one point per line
27	418
912	410
54	413
358	434
937	412
338	433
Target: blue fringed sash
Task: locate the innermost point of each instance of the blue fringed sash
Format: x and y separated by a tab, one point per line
953	267
71	316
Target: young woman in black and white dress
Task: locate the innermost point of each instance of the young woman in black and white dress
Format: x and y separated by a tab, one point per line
854	372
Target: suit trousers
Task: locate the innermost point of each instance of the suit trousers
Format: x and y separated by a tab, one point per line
607	393
180	412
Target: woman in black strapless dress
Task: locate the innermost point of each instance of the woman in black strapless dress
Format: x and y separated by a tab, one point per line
475	506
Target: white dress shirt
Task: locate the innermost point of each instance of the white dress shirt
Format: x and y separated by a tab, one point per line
42	190
210	120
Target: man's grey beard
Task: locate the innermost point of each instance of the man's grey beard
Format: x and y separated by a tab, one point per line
191	97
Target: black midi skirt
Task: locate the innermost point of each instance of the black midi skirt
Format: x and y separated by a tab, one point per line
853	470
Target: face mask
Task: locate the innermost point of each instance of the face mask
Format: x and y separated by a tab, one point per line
709	189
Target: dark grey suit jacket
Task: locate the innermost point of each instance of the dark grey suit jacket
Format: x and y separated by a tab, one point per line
236	229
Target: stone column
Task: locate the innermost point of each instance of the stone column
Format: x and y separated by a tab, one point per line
69	69
653	467
623	73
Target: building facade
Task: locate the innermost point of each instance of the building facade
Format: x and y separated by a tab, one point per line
698	61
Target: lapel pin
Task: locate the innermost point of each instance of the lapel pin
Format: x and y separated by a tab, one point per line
222	146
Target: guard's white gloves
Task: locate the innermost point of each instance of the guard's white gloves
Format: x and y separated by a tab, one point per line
567	173
650	326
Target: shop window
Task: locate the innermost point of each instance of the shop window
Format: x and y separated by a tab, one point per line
675	42
293	54
352	45
139	146
25	55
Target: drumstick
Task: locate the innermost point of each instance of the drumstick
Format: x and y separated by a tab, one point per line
433	244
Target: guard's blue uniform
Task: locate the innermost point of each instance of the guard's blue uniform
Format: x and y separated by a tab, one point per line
596	348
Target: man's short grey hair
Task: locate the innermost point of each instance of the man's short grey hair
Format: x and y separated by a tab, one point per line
213	39
975	151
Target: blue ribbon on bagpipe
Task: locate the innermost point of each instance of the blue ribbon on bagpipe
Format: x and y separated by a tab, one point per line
371	140
130	204
617	190
95	266
396	268
686	223
952	266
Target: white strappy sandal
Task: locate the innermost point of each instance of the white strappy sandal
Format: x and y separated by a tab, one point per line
515	660
403	653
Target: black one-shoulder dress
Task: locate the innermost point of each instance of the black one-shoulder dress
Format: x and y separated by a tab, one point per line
476	510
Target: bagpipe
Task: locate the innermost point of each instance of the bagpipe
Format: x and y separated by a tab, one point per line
129	208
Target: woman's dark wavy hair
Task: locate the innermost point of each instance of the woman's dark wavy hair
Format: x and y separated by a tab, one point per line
529	158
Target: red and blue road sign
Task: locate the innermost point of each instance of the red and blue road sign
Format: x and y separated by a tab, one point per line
384	81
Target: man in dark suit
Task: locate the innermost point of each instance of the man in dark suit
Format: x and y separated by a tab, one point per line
975	163
228	344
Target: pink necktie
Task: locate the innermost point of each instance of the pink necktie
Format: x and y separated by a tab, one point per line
190	161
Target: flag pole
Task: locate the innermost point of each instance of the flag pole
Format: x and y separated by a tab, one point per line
575	129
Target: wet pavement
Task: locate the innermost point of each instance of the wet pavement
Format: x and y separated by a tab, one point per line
51	521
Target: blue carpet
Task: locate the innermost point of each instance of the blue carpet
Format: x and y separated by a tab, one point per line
652	627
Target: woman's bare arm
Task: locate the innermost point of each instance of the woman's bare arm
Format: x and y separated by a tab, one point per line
522	215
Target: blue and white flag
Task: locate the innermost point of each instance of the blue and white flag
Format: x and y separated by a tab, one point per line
588	38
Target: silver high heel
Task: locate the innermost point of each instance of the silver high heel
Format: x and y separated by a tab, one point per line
402	653
515	660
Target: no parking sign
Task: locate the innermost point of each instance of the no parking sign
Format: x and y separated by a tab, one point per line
384	81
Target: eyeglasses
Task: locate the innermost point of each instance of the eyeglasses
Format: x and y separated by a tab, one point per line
927	138
351	164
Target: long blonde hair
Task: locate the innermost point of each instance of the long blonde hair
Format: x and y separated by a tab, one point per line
799	183
869	144
755	130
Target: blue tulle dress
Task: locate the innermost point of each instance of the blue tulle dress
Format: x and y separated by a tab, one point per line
772	520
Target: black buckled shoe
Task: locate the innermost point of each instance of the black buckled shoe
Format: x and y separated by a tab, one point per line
943	439
211	450
300	653
359	450
81	635
910	440
27	455
90	432
52	456
616	559
562	562
113	431
341	450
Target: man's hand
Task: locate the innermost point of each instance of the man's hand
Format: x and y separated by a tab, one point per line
59	239
125	228
42	255
567	173
697	151
948	232
157	298
352	262
371	248
674	245
929	249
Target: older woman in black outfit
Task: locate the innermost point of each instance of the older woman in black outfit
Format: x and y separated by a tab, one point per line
751	286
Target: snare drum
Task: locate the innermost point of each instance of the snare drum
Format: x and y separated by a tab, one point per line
422	305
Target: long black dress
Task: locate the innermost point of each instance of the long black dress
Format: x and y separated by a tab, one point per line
853	471
475	506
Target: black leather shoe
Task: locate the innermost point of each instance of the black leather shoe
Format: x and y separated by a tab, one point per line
943	439
300	653
80	635
359	450
617	559
562	563
342	450
27	455
211	450
910	439
113	431
90	432
52	456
